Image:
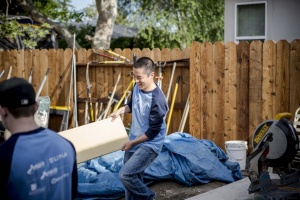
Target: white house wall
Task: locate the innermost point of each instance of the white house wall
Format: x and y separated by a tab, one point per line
283	19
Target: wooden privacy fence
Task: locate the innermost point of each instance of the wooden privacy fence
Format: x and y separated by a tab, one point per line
233	87
236	87
102	77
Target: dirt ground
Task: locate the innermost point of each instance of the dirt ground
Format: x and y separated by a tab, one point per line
173	190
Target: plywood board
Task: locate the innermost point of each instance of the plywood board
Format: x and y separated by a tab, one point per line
96	139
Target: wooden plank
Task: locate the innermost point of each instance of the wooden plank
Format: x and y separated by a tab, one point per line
218	94
282	84
43	68
36	80
116	72
127	78
268	80
28	63
81	84
52	84
6	62
61	77
97	138
14	64
147	52
294	76
195	104
2	66
230	114
255	87
20	71
166	71
177	113
242	93
206	88
185	84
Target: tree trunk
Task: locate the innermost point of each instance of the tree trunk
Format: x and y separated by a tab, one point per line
28	6
107	10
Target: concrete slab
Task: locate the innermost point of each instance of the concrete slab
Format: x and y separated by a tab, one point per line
237	190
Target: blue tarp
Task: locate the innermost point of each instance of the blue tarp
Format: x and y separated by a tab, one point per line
184	158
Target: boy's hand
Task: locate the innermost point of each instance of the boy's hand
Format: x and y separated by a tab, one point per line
114	115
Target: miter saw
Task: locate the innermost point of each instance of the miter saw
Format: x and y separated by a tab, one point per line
275	145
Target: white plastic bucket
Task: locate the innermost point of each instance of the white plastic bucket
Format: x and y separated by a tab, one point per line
237	152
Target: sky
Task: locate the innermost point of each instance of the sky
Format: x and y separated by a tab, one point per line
80	4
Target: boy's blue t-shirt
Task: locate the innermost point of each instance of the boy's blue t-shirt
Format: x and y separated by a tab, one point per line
39	164
149	110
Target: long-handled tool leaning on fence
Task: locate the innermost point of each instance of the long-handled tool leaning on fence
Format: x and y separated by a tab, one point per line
112	96
184	115
172	104
118	55
30	75
88	89
9	73
171	80
2	73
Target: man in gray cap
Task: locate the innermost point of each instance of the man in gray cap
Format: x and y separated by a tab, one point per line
35	163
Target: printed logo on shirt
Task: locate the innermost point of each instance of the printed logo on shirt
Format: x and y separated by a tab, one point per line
58	157
55	180
34	167
35	190
49	173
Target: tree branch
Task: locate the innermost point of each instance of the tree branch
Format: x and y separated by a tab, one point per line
28	6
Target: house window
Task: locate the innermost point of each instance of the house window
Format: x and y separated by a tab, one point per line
250	23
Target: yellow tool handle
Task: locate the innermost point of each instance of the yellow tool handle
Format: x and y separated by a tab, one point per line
115	54
111	62
173	102
59	108
123	96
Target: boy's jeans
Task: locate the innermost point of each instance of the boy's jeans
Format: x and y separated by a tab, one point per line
131	174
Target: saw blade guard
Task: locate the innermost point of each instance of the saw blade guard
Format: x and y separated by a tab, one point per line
283	142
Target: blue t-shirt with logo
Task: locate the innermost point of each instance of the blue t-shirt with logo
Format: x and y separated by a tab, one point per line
149	110
38	164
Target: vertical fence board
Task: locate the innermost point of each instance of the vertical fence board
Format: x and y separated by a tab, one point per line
166	71
218	93
206	88
20	72
294	76
6	62
230	91
282	77
67	75
2	69
52	85
242	91
43	65
14	64
28	63
117	70
36	64
177	113
147	52
255	86
81	84
195	117
268	80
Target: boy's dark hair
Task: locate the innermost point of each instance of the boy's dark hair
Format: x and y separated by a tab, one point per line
146	63
22	111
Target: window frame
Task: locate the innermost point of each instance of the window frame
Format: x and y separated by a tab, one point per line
260	37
